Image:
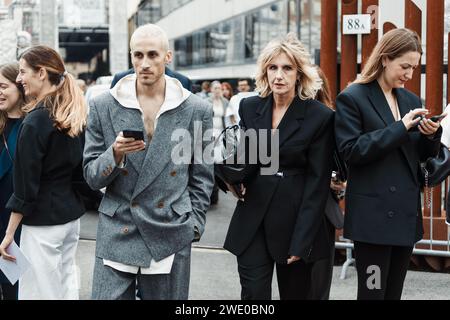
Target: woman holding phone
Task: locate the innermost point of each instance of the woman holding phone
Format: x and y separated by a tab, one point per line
383	134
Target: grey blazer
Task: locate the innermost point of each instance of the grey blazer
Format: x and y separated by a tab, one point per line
152	205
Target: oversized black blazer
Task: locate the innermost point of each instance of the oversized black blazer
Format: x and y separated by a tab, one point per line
290	209
383	204
45	168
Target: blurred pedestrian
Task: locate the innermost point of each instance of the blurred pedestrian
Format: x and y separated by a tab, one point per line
244	85
47	156
227	90
12	101
155	205
383	138
280	219
244	90
206	90
219	104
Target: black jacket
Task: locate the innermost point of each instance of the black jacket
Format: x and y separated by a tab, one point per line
383	203
44	167
291	209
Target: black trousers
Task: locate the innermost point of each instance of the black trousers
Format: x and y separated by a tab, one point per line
256	268
322	270
381	270
9	292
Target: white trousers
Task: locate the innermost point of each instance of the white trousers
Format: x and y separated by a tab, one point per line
51	251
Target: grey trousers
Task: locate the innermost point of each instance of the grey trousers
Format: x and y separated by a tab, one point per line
110	284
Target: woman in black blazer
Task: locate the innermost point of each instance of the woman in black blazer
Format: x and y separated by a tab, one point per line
48	154
381	136
280	219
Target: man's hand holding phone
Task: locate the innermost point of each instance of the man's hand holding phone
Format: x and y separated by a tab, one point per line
126	144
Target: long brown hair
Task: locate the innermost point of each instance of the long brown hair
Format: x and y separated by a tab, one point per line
66	104
10	71
324	94
392	45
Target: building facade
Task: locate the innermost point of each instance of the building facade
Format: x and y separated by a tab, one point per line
222	39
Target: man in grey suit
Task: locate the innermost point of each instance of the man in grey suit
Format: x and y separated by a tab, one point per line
155	205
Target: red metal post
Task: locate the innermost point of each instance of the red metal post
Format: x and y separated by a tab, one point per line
413	21
388	26
349	50
328	45
434	61
369	41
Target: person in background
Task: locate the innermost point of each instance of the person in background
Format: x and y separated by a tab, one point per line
383	136
220	122
206	90
244	85
322	270
244	89
227	90
446	141
48	154
279	219
12	101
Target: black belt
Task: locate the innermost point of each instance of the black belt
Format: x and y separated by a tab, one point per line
289	172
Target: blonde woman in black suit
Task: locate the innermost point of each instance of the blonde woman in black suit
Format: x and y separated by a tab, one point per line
381	135
280	219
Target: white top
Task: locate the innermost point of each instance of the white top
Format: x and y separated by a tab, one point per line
446	128
233	107
125	93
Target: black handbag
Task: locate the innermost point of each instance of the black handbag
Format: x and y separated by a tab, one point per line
230	167
436	170
341	167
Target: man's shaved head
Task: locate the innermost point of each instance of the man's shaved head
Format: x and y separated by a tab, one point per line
150	31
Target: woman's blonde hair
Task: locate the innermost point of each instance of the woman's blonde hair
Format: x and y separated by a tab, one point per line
10	71
66	104
308	82
392	45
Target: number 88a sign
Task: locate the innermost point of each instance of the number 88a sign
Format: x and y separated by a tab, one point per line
356	24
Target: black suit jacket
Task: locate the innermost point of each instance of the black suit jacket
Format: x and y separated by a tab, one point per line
383	203
291	209
185	81
44	166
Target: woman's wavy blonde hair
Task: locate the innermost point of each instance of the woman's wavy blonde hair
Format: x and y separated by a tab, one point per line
392	45
308	82
66	104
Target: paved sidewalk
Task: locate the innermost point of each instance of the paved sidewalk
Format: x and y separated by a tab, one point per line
214	271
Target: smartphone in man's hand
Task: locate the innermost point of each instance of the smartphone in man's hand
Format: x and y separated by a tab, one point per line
137	135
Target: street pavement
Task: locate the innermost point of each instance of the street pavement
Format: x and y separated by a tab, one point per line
214	273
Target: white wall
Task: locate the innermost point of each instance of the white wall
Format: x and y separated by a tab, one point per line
201	13
132	6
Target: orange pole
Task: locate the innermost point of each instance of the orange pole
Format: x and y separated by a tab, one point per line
369	41
328	45
413	21
349	53
388	27
435	58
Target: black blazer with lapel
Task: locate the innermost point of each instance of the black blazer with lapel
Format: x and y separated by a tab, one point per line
45	164
291	209
383	203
